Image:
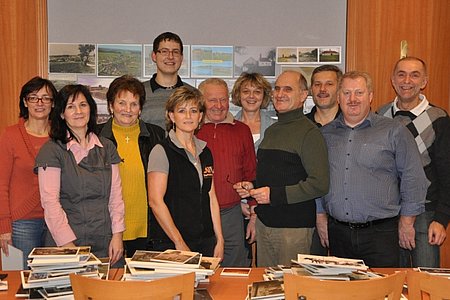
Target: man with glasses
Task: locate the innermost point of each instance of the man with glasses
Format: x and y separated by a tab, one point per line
168	55
292	171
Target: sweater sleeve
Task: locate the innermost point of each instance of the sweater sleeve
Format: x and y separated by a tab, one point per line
441	163
6	165
314	156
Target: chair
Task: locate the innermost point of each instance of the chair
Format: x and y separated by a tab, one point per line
389	287
95	289
435	286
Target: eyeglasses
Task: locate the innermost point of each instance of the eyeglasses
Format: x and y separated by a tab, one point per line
166	52
35	99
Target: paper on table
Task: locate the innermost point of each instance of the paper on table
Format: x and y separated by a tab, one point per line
14	261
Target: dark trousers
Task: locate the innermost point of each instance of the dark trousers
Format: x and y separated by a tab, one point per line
205	246
133	245
377	244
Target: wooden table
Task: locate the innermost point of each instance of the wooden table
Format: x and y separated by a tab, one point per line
219	287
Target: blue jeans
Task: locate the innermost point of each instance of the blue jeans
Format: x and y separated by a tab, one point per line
27	234
424	255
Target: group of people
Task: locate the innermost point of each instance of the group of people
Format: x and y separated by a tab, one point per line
341	180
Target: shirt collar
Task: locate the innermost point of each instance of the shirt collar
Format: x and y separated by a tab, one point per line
93	141
416	110
154	85
340	122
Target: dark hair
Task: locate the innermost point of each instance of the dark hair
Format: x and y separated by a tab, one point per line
34	85
59	128
325	68
167	36
254	79
125	83
180	96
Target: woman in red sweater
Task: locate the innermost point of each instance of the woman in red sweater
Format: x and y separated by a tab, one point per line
21	214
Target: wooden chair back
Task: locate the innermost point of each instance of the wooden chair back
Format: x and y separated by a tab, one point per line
85	288
389	287
433	286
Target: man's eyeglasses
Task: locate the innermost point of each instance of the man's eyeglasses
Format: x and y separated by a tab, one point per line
35	99
166	52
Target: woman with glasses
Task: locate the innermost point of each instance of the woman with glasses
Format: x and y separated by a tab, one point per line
134	139
21	214
180	183
79	179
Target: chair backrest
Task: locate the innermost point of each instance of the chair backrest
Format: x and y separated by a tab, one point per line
95	289
314	289
435	286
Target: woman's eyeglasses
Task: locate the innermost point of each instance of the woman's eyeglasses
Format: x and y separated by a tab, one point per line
35	99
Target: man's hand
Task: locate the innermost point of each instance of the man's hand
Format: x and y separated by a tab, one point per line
406	232
261	195
322	229
243	188
250	235
436	233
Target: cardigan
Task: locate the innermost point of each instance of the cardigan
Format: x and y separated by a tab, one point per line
19	190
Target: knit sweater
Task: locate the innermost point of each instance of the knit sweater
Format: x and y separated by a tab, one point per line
231	144
19	189
154	109
132	174
430	126
293	162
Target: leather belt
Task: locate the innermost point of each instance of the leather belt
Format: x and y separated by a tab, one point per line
363	225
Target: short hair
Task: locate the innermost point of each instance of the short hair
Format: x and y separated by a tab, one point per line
411	58
355	75
302	80
254	79
167	36
125	83
327	68
59	130
213	81
181	95
31	86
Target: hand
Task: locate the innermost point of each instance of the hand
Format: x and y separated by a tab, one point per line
181	245
250	235
243	188
115	248
436	233
322	229
218	249
5	240
406	232
261	195
245	207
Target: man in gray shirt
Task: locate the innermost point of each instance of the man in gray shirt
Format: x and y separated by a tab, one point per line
168	55
377	183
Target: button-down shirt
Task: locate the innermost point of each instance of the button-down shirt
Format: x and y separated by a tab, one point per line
375	171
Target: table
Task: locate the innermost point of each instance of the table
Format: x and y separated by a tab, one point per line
219	287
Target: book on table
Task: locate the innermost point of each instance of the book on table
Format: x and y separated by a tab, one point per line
55	252
445	272
272	289
329	265
170	259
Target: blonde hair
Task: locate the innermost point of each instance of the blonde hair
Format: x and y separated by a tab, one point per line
254	79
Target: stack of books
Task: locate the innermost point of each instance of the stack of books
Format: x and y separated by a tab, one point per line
444	272
150	265
51	266
331	267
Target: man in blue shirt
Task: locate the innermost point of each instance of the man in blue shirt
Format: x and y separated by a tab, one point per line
377	183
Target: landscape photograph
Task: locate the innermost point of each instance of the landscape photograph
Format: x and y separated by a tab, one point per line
117	60
71	58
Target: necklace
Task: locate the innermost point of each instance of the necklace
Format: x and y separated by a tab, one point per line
127	139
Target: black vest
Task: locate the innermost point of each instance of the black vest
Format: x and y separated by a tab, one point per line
187	201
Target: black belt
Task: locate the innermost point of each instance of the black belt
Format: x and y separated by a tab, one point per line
363	225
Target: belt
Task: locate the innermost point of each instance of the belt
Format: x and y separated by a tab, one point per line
363	225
